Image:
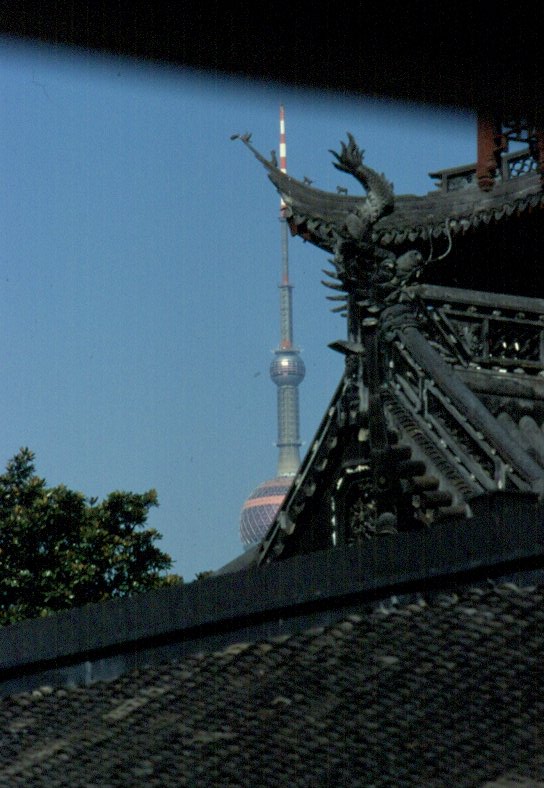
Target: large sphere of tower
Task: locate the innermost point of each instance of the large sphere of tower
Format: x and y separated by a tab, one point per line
260	509
287	368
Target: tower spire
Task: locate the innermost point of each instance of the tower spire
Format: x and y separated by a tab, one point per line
287	368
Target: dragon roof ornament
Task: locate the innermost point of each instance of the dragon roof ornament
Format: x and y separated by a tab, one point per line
349	217
343	224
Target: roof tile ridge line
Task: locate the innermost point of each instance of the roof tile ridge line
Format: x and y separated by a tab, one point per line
457	223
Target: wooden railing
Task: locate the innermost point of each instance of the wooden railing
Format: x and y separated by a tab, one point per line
513	165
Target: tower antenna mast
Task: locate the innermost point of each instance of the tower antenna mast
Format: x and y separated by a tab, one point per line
286	304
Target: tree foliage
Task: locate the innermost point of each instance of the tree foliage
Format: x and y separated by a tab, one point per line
59	549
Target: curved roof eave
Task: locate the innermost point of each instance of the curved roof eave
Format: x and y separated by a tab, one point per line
415	217
319	216
442	213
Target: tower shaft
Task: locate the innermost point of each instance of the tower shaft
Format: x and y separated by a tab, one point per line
286	298
288	435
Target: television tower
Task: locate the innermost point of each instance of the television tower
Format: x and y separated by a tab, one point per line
287	372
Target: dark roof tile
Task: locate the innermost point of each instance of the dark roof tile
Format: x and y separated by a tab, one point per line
436	693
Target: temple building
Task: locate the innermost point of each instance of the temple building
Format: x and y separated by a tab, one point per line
441	404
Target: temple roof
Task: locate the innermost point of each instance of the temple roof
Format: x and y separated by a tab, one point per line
453	208
443	212
439	692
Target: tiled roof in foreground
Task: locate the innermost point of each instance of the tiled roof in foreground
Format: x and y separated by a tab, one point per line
446	692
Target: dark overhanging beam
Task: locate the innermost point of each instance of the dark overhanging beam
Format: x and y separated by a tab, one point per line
457	55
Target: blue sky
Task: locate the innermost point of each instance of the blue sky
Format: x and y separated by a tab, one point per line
139	264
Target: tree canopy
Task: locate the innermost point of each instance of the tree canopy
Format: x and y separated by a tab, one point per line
59	549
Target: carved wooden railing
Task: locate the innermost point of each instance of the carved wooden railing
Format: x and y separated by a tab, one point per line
512	166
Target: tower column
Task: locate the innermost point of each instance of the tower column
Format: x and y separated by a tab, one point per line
288	437
287	371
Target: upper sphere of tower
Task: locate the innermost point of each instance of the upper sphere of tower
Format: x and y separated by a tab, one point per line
287	368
